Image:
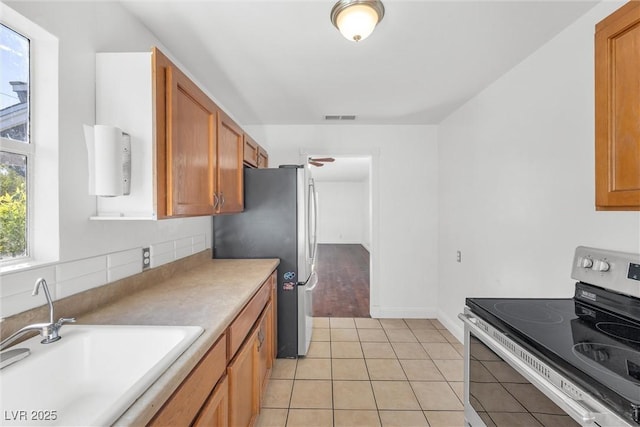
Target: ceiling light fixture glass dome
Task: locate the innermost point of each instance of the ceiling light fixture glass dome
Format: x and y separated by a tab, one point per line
356	19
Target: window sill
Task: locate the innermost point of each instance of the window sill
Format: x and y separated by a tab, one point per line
22	265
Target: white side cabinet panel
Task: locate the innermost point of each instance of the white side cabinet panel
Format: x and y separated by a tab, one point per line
124	98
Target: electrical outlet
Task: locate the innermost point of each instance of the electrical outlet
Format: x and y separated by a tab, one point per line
146	258
458	256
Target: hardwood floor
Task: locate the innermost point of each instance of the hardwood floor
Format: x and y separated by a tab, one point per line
343	281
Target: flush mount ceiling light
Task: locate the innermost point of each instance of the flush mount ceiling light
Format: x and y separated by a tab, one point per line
356	19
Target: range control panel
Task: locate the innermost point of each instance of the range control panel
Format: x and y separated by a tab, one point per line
618	271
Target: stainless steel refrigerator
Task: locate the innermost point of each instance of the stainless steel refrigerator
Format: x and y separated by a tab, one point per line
279	221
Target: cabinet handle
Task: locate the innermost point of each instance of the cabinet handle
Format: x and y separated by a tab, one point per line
260	339
216	201
222	199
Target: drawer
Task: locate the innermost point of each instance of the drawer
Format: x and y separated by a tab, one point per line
185	403
242	324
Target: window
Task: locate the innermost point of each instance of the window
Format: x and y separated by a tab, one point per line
29	127
16	149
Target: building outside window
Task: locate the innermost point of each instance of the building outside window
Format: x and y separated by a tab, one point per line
16	148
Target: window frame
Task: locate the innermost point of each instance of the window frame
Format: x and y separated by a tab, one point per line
27	149
43	239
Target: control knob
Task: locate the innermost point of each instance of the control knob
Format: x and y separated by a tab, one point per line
600	355
585	262
600	265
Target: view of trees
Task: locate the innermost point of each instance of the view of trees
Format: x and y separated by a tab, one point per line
13	205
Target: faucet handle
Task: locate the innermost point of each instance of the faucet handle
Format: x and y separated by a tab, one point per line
64	320
51	330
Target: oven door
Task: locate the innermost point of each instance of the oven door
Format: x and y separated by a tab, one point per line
502	390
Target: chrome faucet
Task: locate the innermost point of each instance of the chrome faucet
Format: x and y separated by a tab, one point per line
49	331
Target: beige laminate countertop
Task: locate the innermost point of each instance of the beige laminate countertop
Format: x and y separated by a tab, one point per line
210	296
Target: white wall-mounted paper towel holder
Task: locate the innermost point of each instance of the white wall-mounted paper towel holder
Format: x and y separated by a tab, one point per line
109	155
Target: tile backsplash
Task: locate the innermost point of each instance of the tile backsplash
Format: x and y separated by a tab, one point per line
69	278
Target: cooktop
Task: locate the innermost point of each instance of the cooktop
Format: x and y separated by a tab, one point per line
596	347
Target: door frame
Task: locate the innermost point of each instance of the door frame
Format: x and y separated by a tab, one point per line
374	209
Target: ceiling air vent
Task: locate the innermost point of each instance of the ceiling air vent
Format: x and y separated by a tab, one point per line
348	117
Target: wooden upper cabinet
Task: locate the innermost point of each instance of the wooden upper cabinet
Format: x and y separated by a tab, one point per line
254	155
617	98
229	165
187	154
263	158
186	121
250	151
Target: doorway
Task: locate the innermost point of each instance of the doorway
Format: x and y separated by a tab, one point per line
344	236
343	281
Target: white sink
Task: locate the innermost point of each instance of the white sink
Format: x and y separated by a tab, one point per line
89	377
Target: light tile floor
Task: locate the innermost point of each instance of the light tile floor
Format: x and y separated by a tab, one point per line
369	372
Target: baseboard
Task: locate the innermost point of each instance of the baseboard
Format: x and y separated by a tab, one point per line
454	325
403	312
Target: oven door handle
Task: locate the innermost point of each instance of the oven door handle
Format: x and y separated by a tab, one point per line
585	416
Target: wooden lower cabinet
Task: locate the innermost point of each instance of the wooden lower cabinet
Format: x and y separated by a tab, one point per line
243	391
239	365
263	350
215	412
274	315
250	370
186	402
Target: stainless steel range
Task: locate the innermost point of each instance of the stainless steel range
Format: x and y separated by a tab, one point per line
559	362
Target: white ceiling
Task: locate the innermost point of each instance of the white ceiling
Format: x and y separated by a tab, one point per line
282	62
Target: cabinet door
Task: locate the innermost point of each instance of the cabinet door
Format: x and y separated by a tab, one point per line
215	412
274	315
159	64
617	46
263	158
263	349
250	151
229	164
183	406
243	390
191	124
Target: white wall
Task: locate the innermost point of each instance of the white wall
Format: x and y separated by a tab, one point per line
516	181
84	28
404	203
343	210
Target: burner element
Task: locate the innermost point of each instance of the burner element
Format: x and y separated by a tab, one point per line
618	362
528	312
560	307
620	331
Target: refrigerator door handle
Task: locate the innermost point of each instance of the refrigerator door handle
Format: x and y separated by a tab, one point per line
312	212
314	280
